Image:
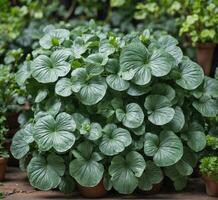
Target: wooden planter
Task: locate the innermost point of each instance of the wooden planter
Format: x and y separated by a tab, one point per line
92	192
205	56
211	186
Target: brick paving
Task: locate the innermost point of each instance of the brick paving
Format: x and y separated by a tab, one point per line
16	187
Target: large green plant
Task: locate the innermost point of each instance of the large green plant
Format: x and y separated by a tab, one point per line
126	109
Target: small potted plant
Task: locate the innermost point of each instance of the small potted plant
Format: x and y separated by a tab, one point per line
209	166
209	170
201	26
3	152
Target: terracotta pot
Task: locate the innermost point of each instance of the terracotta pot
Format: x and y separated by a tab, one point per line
205	56
211	186
3	164
92	192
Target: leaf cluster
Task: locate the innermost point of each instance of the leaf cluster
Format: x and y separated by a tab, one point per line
126	109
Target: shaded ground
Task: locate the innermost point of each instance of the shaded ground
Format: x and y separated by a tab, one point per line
16	187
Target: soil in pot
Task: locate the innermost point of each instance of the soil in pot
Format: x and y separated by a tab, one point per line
205	56
92	192
3	164
211	186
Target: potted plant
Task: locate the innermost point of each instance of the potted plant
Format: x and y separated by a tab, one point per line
209	166
209	170
112	111
200	30
3	151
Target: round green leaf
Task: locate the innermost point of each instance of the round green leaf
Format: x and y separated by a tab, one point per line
91	131
192	74
137	64
19	147
106	47
23	73
42	94
79	119
166	150
140	130
210	87
152	175
21	141
134	116
64	87
137	90
168	43
159	110
178	121
47	69
78	47
124	172
164	90
207	106
195	137
117	83
45	174
54	38
56	133
89	90
114	140
142	76
86	169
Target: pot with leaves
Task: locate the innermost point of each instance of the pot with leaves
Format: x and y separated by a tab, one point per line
209	166
122	110
202	31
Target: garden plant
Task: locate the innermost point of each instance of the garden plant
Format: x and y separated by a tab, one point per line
209	165
123	111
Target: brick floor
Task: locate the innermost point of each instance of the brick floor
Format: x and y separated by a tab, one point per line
16	187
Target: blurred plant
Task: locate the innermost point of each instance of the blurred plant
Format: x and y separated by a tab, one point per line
3	130
212	142
16	15
199	20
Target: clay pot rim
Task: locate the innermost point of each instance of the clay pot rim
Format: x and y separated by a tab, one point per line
206	45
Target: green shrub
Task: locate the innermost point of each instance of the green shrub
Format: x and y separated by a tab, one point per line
209	167
128	109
